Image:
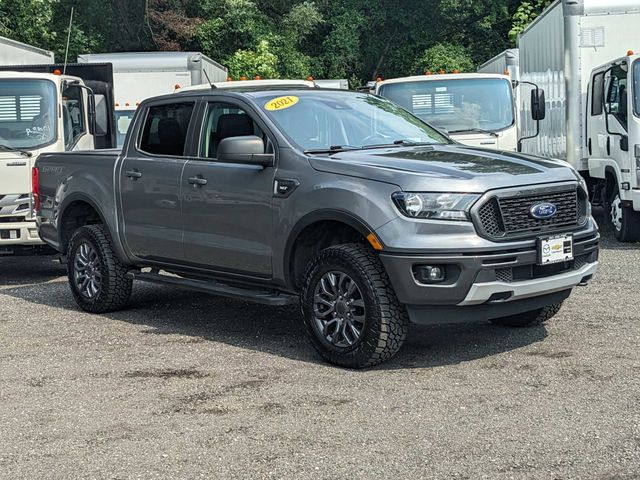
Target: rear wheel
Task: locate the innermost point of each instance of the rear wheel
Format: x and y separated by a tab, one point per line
529	319
624	220
351	312
97	277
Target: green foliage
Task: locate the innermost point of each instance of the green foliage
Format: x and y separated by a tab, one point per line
353	39
445	57
248	63
526	13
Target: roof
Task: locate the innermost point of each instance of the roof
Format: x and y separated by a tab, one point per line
251	84
446	76
34	75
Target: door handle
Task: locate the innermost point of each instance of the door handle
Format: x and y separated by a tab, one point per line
133	174
198	181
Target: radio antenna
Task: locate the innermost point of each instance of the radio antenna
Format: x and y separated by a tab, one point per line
207	77
66	50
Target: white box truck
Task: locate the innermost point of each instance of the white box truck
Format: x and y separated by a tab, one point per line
475	109
582	53
16	53
141	75
45	108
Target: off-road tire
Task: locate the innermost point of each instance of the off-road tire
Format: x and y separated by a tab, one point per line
529	319
115	288
386	319
627	227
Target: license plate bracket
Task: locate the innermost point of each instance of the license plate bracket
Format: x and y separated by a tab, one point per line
10	234
555	249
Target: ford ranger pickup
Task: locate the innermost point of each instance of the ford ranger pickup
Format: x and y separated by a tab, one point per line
340	201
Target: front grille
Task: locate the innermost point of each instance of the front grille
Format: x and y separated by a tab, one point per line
531	272
510	216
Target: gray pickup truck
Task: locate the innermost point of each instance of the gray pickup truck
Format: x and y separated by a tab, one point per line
339	200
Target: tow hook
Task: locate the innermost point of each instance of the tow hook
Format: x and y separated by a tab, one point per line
585	281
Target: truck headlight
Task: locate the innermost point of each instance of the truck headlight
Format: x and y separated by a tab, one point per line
435	206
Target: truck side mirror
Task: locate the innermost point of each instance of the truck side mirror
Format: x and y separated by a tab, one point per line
538	104
100	116
248	149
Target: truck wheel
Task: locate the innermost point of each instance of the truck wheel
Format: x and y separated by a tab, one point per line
350	310
529	319
624	220
97	277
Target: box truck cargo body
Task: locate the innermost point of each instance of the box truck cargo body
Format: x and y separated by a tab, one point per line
16	53
141	75
558	51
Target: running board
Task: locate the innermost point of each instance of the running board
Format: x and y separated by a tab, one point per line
265	297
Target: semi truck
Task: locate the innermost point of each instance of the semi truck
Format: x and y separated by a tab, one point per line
141	75
45	108
583	53
476	109
17	53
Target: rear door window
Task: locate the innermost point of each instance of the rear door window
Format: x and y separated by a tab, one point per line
165	129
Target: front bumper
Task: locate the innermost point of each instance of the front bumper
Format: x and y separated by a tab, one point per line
489	279
18	234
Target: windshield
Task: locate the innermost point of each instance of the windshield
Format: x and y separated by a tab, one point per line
323	120
27	113
123	120
456	105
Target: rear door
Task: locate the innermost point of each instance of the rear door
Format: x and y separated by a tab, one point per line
227	207
150	177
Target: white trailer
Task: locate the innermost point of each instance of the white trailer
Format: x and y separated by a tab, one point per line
505	63
16	53
338	83
141	75
590	124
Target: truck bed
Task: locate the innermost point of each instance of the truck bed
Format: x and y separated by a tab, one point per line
83	171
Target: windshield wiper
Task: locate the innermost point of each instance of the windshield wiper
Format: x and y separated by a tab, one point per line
331	149
397	143
478	130
7	148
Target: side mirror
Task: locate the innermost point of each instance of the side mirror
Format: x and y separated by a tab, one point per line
98	109
538	104
247	149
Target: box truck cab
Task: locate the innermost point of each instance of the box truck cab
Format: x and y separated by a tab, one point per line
474	109
39	112
613	142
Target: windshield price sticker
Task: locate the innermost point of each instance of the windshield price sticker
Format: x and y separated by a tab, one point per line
555	249
281	103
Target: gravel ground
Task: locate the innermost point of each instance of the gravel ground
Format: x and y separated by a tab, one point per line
184	385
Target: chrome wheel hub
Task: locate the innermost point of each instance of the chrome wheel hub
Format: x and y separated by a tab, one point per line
86	271
616	213
339	310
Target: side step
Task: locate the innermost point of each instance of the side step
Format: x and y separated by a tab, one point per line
265	297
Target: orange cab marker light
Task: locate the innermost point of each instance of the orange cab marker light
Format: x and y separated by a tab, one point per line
378	79
630	52
309	78
428	72
257	77
441	72
126	104
117	104
177	86
456	70
57	71
243	78
229	78
375	243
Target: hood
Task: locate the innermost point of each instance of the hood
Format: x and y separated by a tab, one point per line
445	168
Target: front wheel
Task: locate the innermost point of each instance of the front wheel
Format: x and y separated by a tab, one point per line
624	220
529	319
97	278
351	312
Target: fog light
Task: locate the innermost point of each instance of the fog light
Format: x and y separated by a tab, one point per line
430	274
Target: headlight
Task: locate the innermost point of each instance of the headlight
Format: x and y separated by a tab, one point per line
435	206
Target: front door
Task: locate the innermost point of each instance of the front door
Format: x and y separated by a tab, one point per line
227	207
150	186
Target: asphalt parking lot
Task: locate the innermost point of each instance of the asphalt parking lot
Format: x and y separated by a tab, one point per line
184	385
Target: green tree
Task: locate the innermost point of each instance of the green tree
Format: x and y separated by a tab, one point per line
444	56
526	13
248	63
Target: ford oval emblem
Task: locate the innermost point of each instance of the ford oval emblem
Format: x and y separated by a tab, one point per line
543	211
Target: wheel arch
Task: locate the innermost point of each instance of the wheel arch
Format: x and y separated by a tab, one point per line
345	226
81	204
